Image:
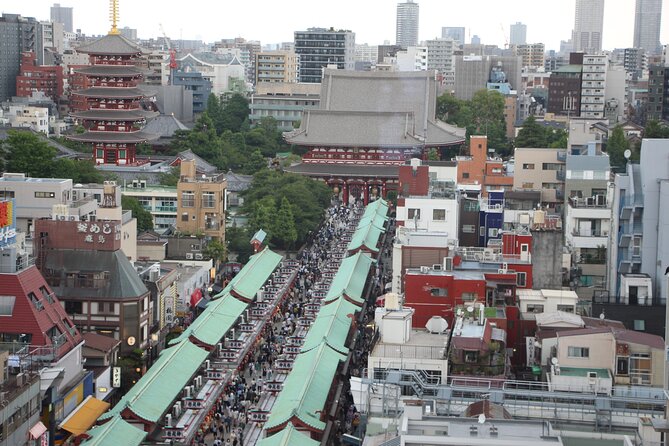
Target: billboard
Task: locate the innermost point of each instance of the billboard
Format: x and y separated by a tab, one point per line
7	223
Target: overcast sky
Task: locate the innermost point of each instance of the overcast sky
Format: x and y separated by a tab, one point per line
373	21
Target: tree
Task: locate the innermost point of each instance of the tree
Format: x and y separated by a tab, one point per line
284	232
654	129
28	153
433	154
80	171
616	146
144	218
255	163
487	107
239	242
532	135
215	250
170	178
234	113
261	217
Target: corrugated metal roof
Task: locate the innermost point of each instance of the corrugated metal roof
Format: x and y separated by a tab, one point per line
114	433
289	436
350	278
306	388
253	275
152	396
331	326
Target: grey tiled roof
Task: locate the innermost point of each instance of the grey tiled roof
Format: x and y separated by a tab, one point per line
201	166
325	169
111	92
369	129
114	137
112	44
164	126
110	70
111	114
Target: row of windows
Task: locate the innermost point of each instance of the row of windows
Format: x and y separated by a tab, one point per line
437	214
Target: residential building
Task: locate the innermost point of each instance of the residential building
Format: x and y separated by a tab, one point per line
535	302
276	66
309	46
33	118
637	258
457	33
593	87
197	85
160	201
440	57
532	54
161	280
201	202
658	88
647	20
366	53
18	35
616	94
413	58
478	168
101	353
47	79
564	89
285	102
518	34
541	170
63	14
588	26
635	62
406	27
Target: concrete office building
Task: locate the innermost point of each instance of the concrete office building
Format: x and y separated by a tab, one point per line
456	33
518	34
588	26
285	102
319	48
647	20
406	28
62	14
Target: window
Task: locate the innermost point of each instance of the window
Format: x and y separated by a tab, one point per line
469	229
622	365
528	166
465	174
471	356
640	369
535	308
552	166
528	186
492	232
46	295
208	199
106	307
35	301
6	194
521	279
413	214
121	154
441	292
578	352
482	231
566	308
73	307
471	206
45	195
184	216
7	305
639	325
439	214
188	199
469	296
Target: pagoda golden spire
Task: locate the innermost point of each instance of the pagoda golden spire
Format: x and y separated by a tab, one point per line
113	16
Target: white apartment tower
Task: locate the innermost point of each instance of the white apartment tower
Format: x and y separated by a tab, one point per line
647	19
518	34
588	26
406	30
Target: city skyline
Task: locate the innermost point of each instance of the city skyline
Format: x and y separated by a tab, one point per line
373	23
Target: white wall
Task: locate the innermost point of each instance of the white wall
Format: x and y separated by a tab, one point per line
426	205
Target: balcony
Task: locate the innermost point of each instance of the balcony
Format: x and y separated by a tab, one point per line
165	209
598	201
560	175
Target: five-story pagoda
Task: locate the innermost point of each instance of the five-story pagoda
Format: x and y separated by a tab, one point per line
108	102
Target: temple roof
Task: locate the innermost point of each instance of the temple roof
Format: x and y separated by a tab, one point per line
114	137
111	44
110	70
165	126
345	169
111	114
111	92
371	129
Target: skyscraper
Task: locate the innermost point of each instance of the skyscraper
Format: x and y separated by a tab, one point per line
518	34
647	20
406	31
456	33
588	26
309	46
62	14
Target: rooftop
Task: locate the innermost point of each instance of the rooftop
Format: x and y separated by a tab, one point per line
582	372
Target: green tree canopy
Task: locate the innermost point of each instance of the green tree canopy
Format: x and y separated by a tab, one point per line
27	153
170	178
284	232
144	219
616	146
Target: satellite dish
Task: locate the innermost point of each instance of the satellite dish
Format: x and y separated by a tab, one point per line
470	309
627	154
554	360
481	418
602	316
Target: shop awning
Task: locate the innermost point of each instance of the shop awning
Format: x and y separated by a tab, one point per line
37	431
84	416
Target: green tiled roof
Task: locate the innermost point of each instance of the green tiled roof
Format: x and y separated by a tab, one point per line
289	436
306	388
375	219
253	275
379	207
350	278
215	321
331	326
367	236
115	432
154	392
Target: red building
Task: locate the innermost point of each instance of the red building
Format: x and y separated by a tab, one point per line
107	101
47	79
368	125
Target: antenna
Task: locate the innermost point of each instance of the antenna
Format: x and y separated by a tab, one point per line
113	16
602	316
554	360
627	154
481	418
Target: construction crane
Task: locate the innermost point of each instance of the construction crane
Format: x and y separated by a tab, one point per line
506	38
173	54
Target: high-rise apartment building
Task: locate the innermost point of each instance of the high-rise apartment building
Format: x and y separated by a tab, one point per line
319	48
406	30
276	66
647	19
17	35
518	34
532	54
588	26
440	55
62	14
456	33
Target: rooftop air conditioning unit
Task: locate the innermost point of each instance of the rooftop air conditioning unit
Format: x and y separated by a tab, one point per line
198	256
436	267
189	256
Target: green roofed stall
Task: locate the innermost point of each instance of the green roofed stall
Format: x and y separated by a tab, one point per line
214	322
366	237
350	279
379	207
305	390
113	433
154	393
377	220
332	325
289	436
253	275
